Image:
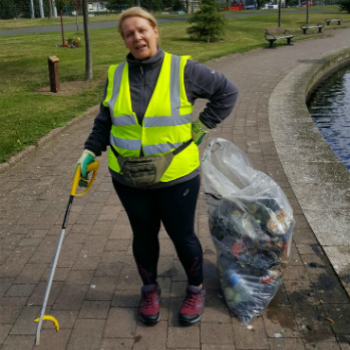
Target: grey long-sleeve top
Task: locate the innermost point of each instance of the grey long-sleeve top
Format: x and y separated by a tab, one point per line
200	82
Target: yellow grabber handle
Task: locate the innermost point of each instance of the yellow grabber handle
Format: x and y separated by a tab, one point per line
77	177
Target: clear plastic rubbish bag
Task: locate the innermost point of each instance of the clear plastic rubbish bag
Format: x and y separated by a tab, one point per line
251	223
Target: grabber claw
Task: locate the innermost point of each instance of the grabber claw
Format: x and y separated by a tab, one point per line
49	318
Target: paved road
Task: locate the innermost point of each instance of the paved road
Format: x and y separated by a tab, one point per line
111	24
96	288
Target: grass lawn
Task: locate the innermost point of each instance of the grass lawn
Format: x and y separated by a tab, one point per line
26	115
45	22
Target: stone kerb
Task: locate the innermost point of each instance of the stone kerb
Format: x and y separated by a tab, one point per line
320	181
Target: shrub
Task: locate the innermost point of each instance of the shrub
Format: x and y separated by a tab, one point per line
8	9
207	24
344	6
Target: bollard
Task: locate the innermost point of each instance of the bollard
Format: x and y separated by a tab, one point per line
53	73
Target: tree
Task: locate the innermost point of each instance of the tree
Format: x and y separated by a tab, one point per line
178	5
207	24
119	5
173	5
77	6
25	10
60	5
345	6
8	9
260	4
187	6
19	9
152	5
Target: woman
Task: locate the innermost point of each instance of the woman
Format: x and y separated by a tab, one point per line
146	112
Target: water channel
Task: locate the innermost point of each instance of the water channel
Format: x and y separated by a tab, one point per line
329	106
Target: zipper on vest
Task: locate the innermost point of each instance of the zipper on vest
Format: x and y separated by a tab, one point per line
142	94
143	87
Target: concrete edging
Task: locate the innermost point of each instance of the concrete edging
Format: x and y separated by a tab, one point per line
53	134
319	180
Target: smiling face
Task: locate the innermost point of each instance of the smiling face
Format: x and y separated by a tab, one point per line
140	37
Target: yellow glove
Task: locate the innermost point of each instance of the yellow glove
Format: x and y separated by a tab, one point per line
198	132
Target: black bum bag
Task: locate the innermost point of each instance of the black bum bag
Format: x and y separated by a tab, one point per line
145	171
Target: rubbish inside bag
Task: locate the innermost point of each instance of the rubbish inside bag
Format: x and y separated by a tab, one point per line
251	223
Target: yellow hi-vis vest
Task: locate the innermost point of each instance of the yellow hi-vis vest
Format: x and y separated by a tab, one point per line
166	124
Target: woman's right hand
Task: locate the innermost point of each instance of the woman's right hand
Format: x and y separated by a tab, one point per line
85	159
199	130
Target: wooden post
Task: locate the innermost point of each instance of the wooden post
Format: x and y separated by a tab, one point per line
53	73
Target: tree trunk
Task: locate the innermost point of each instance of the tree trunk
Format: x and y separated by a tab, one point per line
62	29
88	56
50	9
41	8
54	9
32	15
76	19
279	13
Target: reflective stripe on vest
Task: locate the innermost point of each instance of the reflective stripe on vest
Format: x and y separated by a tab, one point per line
166	124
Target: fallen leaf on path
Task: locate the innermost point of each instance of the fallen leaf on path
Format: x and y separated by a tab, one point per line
329	319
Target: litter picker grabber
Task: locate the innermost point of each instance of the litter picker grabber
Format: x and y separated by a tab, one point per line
77	177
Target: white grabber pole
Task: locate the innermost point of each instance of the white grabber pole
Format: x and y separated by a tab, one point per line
77	177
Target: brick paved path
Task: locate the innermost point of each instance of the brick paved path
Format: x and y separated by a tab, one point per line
96	287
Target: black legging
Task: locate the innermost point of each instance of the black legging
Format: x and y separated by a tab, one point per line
175	206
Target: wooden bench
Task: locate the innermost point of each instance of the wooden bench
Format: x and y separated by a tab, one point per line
273	34
306	27
329	21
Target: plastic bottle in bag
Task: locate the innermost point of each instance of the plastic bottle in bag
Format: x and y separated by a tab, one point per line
237	289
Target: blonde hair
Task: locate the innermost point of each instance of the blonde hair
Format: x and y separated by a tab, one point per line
136	12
